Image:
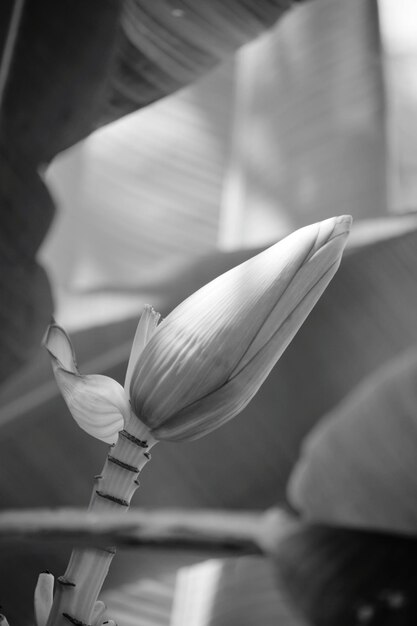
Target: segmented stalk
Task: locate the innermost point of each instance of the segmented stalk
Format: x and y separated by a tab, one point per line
77	590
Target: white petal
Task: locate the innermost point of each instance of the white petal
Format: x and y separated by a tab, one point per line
43	598
97	403
146	327
59	346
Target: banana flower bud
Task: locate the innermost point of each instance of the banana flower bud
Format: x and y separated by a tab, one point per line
203	364
209	357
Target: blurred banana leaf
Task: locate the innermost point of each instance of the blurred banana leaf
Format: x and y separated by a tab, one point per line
66	69
301	585
217	592
358	467
25	295
73	61
232	592
310	123
164	45
257	148
146	601
331	573
243	532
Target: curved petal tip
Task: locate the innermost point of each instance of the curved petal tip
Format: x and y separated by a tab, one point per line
59	346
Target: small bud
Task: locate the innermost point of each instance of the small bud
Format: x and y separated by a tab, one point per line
99	614
43	598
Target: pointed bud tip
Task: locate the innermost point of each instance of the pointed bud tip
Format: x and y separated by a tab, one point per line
50	329
342	226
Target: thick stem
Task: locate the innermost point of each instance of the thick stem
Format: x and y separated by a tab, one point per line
78	589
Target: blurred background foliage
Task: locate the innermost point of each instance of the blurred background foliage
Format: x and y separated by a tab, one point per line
298	119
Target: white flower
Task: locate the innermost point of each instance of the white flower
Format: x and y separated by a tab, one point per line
202	365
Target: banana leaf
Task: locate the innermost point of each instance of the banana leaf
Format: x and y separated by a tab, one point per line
358	468
67	68
242	532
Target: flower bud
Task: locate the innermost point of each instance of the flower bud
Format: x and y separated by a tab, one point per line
208	358
43	598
